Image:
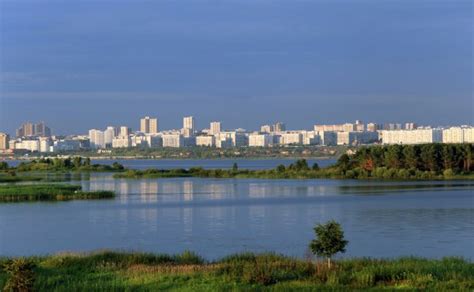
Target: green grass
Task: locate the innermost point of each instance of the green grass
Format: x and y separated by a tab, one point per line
112	271
8	178
48	192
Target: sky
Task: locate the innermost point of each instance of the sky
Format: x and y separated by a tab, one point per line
79	65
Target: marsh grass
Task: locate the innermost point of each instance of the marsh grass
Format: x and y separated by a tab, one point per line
114	271
48	192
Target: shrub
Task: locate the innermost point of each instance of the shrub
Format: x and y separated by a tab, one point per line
21	275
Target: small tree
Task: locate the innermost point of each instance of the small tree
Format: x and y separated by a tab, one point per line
329	240
235	167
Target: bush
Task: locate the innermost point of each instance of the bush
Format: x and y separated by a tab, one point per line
448	173
21	275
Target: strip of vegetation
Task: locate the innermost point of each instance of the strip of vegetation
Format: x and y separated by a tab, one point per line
48	192
200	152
430	161
68	164
112	271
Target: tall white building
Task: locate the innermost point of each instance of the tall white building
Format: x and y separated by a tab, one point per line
96	138
215	128
124	131
44	144
109	135
4	140
149	125
188	123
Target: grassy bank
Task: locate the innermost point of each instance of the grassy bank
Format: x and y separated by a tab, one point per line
48	192
110	271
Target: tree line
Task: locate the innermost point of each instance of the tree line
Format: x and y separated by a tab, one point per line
408	160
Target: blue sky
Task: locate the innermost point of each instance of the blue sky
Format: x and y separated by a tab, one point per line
88	64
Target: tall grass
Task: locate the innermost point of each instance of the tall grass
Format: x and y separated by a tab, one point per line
48	192
113	271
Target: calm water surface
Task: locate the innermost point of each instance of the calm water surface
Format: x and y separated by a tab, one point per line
216	217
206	163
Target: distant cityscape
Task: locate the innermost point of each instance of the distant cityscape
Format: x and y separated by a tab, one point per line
31	137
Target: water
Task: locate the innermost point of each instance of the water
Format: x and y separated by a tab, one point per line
206	163
215	217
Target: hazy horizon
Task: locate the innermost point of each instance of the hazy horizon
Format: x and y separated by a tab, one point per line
79	65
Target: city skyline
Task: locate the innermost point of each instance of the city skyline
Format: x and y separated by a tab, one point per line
222	126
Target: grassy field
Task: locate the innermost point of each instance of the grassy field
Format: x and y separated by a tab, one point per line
111	271
48	192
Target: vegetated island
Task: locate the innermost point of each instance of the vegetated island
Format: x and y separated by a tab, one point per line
116	271
34	170
395	162
48	192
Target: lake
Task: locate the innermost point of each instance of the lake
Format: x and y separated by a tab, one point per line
206	163
215	217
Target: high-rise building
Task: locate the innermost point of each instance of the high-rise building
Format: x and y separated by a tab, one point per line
96	138
109	135
42	130
215	128
188	126
124	131
188	123
31	130
4	140
149	125
266	129
279	127
26	130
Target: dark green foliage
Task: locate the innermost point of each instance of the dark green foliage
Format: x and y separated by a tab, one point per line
235	167
427	161
3	165
329	240
67	164
21	276
315	166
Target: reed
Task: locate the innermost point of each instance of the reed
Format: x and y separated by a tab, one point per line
48	192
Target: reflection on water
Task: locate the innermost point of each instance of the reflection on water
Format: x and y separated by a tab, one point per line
219	216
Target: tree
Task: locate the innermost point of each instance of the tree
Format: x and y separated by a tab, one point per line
343	163
315	166
281	168
87	162
3	165
410	156
393	157
329	240
235	167
77	161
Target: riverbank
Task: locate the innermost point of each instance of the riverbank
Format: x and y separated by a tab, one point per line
48	192
113	271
